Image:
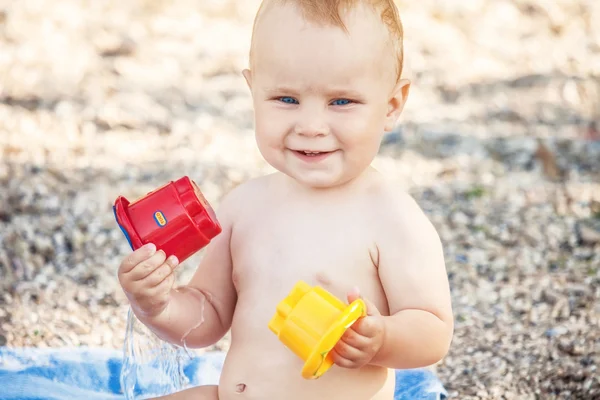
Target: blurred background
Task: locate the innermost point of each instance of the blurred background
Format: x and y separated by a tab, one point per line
499	143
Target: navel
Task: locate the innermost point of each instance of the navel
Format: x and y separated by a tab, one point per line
240	388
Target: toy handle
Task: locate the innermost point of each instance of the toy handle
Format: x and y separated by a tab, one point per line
118	209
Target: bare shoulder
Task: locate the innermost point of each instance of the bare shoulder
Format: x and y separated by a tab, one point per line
399	215
248	192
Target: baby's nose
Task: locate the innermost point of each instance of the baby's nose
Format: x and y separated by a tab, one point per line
312	126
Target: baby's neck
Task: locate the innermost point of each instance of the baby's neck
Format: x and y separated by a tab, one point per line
354	185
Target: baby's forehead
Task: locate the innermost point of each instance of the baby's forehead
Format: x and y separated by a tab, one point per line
372	26
321	74
283	33
360	12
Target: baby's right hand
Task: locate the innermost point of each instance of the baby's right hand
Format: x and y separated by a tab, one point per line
147	278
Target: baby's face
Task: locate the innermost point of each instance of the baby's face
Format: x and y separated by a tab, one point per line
323	98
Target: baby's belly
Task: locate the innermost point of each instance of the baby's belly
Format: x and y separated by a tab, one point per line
260	367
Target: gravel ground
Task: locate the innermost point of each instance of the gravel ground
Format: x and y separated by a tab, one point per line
499	144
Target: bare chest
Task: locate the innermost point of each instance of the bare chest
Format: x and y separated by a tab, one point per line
274	249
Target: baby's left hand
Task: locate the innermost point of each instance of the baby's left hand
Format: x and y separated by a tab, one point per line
363	340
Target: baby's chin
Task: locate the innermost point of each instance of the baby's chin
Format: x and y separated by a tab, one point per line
320	180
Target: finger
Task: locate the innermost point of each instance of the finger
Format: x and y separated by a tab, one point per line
159	293
343	362
353	294
157	276
173	261
163	287
367	327
136	257
372	309
145	268
348	352
355	338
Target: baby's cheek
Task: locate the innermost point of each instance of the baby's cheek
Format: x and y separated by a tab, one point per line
271	145
358	130
267	134
271	129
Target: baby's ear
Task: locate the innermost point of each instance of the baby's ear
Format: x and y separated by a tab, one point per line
248	76
396	103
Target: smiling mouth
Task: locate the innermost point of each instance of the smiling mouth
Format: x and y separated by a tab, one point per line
312	153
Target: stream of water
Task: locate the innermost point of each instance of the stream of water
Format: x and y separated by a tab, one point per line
150	363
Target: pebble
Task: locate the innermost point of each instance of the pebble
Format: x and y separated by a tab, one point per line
588	231
146	99
557	331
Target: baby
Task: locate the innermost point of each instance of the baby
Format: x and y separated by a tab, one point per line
325	82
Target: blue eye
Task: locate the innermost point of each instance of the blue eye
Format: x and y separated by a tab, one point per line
341	102
288	100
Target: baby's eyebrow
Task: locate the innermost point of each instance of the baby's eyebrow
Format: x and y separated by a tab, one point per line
345	93
329	92
278	90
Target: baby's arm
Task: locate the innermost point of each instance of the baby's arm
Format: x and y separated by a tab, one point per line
202	310
413	274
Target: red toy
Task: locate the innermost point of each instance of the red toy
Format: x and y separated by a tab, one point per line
176	218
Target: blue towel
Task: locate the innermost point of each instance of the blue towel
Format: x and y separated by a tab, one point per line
94	374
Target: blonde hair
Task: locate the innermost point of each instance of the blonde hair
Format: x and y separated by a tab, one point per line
330	12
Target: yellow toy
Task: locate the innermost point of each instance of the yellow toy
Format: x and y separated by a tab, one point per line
310	321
